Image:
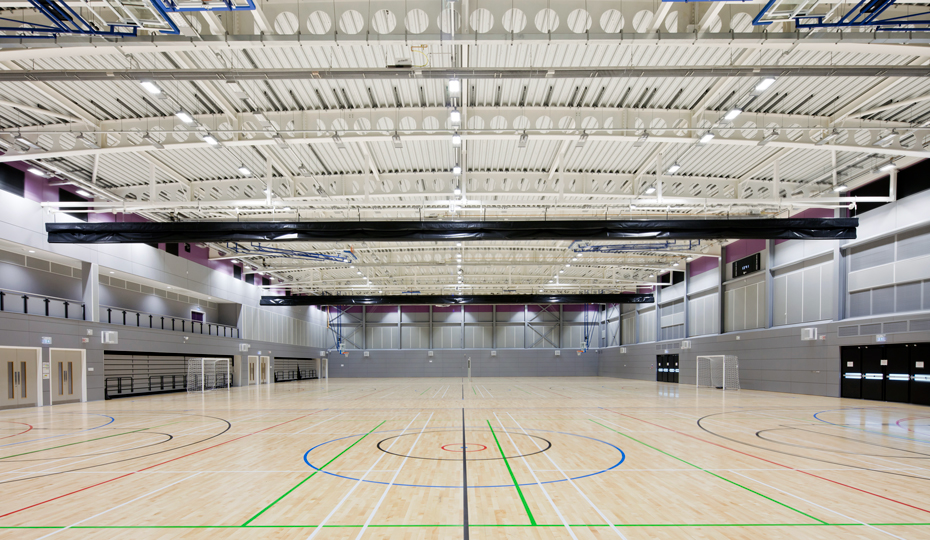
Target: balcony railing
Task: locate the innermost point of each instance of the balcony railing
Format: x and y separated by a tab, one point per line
12	301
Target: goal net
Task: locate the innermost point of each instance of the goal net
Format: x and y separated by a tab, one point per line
721	371
205	374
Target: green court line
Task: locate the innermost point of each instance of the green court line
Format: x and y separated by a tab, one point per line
710	473
90	440
473	390
276	501
436	525
427	388
512	477
522	390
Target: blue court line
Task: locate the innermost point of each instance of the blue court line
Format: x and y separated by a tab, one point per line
863	429
615	465
66	434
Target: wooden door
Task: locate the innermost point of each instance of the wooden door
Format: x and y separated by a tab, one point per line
67	373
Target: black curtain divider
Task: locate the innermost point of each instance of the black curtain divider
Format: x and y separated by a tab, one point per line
410	231
474	299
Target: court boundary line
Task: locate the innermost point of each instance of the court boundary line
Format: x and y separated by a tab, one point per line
526	506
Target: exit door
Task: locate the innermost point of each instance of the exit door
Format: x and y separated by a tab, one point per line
667	368
253	370
896	373
18	378
67	375
264	370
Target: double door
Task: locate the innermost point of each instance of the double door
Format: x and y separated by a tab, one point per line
667	368
19	378
897	373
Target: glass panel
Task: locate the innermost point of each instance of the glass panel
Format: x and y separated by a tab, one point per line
25	391
882	300
908	297
876	254
12	393
61	378
70	379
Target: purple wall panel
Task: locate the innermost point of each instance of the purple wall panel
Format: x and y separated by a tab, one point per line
415	309
743	248
702	264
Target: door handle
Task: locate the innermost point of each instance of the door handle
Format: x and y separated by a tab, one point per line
16	377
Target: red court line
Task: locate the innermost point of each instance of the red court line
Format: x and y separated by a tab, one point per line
898	423
547	390
772	462
153	466
15	434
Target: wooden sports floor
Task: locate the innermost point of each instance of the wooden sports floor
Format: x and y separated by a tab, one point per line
450	458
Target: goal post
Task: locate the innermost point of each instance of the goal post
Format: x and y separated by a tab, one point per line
718	371
205	374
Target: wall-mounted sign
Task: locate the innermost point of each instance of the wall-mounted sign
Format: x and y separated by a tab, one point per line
881	338
918	364
46	340
46	370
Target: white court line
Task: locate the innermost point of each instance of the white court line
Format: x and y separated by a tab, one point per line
486	390
478	387
315	425
118	506
447	389
570	481
818	505
437	392
393	479
568	527
360	480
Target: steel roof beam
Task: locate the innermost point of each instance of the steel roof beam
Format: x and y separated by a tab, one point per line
473	73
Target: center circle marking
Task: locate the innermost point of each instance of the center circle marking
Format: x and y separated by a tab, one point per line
457	447
541	446
458	429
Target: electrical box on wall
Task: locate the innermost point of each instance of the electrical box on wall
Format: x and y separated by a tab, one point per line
686	344
493	353
430	353
558	352
366	354
322	354
109	338
243	347
622	350
808	334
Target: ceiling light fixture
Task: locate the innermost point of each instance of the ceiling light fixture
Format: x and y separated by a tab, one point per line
582	139
37	172
455	87
882	141
397	142
83	193
338	140
768	138
732	114
151	87
211	140
456	139
675	264
831	136
643	137
244	171
151	140
88	141
455	117
651	190
280	140
184	116
673	168
705	138
841	188
524	138
456	169
764	84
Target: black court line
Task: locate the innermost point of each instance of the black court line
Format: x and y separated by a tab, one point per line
464	474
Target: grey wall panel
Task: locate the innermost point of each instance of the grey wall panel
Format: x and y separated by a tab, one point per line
30	280
448	363
771	359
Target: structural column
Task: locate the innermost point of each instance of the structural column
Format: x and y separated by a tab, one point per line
721	278
769	284
90	290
